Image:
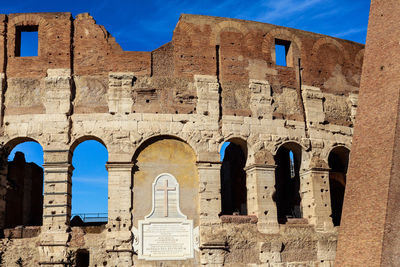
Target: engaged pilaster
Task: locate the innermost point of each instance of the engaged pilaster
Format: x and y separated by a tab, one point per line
120	92
260	188
260	99
119	235
208	96
313	105
210	188
56	207
57	96
316	205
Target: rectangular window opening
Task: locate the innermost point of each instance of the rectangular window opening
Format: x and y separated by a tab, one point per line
281	52
27	41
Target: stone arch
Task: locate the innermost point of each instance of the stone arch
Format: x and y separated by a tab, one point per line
224	25
326	40
98	171
186	31
19	140
288	161
268	44
165	154
22	201
338	161
156	136
84	138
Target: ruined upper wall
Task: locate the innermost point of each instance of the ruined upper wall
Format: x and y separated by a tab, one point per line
247	51
162	81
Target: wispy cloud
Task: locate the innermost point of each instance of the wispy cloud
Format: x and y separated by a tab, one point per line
349	32
279	9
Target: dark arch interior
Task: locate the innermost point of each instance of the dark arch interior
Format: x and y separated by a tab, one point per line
82	258
338	163
24	194
233	181
287	183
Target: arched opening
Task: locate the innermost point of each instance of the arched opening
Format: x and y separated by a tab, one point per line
233	179
24	184
89	183
169	156
338	162
287	182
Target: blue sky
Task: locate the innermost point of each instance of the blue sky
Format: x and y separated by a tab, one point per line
146	25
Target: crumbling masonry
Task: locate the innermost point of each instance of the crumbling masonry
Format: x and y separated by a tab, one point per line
217	81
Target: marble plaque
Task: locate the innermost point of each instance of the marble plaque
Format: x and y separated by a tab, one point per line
166	233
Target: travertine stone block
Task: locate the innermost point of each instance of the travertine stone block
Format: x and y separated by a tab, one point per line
313	105
57	92
207	87
316	204
120	92
260	179
260	99
353	106
119	235
209	190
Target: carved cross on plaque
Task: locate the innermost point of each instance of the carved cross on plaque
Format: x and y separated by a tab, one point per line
165	188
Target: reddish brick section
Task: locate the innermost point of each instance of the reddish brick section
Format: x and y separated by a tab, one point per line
370	228
54	35
233	50
96	52
228	47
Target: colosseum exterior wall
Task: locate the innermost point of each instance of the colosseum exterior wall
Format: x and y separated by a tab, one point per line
216	81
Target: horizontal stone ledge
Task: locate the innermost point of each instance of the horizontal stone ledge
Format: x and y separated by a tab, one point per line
56	206
221	246
121	250
65	263
56	193
61	244
55	215
58	182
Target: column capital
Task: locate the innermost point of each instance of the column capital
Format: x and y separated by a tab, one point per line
256	166
118	165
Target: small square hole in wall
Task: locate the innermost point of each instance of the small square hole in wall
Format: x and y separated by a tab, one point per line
281	52
26	41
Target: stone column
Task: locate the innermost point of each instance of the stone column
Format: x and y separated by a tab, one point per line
212	243
56	207
210	192
260	187
315	202
119	235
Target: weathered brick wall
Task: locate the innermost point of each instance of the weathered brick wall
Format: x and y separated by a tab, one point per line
215	82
